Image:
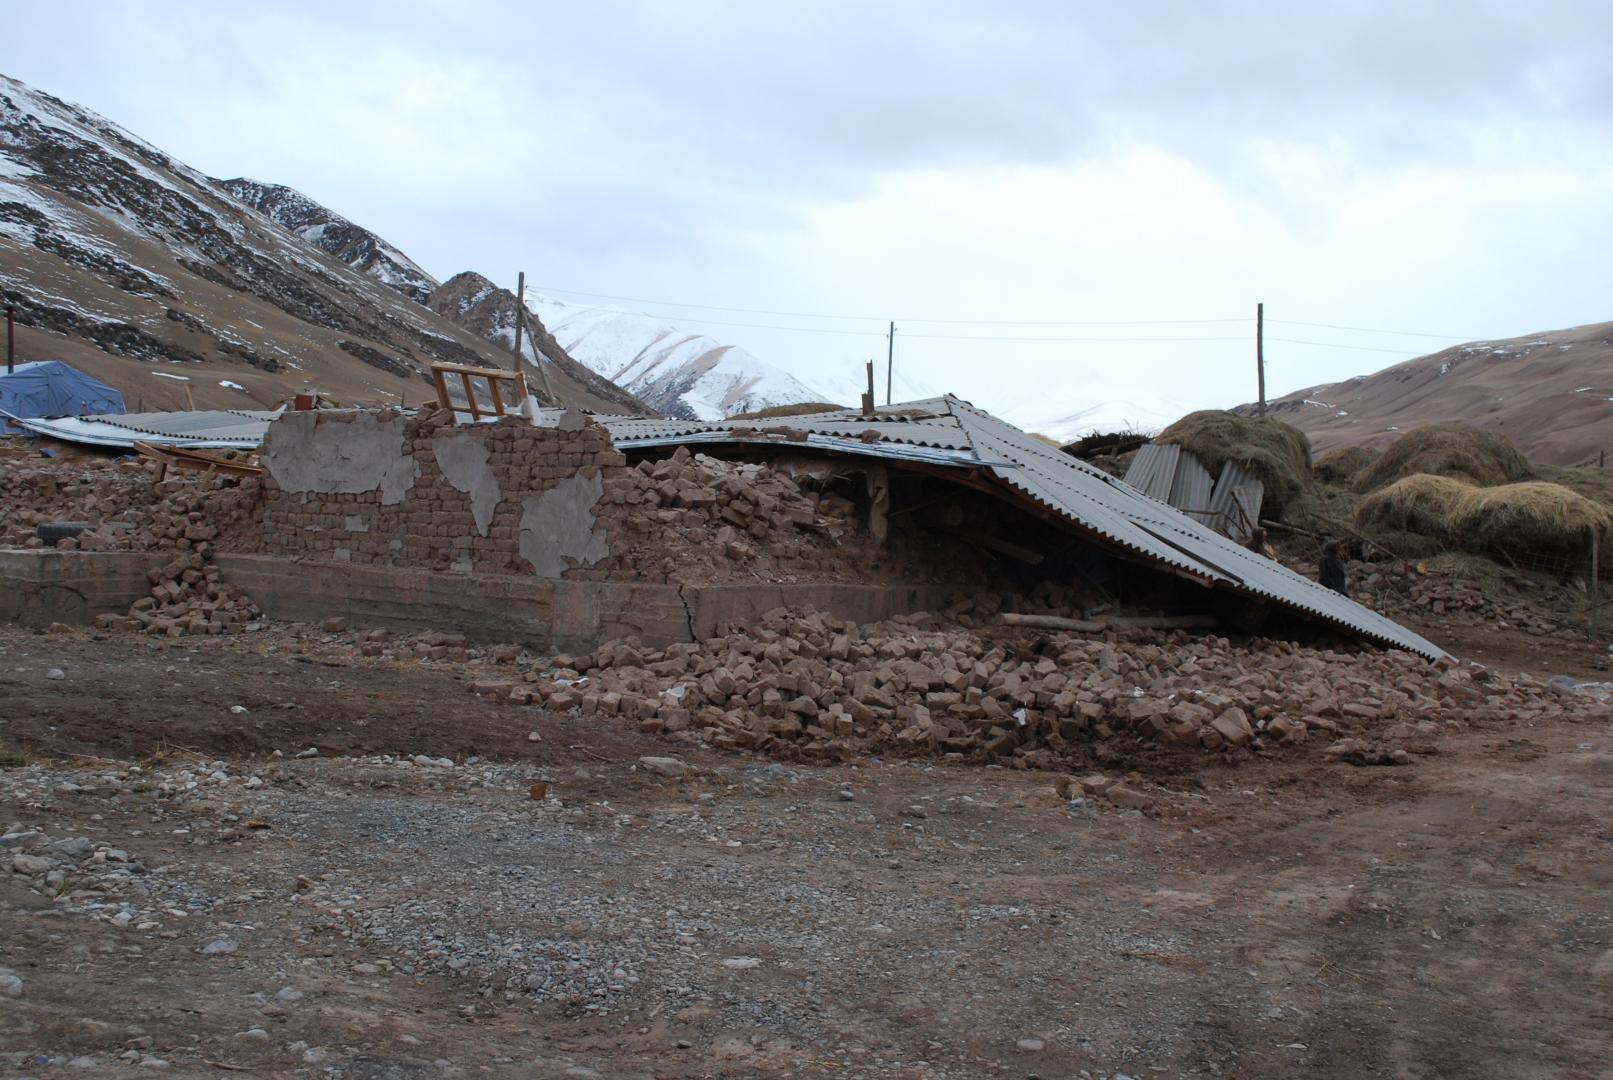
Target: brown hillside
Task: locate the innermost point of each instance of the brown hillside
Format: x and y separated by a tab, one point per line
1550	393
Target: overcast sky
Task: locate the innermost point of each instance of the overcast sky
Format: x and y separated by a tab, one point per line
1429	167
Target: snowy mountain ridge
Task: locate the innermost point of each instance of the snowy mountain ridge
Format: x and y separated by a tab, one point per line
330	232
683	374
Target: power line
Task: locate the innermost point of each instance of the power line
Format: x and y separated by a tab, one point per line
1335	345
1370	330
882	318
997	322
986	337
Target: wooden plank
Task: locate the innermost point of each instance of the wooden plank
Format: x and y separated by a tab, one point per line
1053	622
498	398
470	395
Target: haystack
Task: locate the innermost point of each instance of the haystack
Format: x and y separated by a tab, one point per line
1279	455
1459	451
1529	516
1421	504
1344	465
1521	518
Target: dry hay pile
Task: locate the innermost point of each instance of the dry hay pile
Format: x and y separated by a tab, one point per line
1532	515
1277	454
1344	465
1420	504
1458	451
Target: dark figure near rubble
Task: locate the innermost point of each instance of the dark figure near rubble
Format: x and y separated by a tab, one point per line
1258	544
1331	572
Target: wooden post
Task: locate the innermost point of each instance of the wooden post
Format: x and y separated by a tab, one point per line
890	361
520	321
1260	352
190	398
868	395
11	339
1596	571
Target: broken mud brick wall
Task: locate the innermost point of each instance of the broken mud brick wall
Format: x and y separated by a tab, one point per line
381	488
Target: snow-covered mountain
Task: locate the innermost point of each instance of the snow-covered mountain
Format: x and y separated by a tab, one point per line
485	309
130	265
330	232
682	374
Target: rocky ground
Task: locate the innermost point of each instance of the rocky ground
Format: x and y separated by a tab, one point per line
269	852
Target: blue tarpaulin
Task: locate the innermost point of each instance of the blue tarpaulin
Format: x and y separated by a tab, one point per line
52	388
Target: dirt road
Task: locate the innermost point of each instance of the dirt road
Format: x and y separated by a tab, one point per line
374	912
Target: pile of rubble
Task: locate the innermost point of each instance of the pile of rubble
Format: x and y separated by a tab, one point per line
1401	589
188	597
694	519
188	515
808	683
126	509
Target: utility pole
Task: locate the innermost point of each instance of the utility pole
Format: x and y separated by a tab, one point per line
1260	352
520	305
890	360
11	339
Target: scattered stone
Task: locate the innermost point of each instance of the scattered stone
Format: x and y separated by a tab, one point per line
664	766
55	673
220	947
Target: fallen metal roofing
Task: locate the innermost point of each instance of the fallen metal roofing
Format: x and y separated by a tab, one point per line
205	429
1084	497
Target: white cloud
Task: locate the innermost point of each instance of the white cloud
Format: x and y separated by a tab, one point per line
1432	167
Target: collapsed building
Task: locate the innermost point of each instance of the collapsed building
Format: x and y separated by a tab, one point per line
565	529
923	578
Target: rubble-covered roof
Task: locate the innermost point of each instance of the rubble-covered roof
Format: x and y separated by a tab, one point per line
1082	495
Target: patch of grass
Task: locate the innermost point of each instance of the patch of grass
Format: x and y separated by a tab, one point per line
13	759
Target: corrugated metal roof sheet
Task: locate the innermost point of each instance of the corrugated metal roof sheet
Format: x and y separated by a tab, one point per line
1081	494
1153	470
202	429
1235	515
1113	509
1190	491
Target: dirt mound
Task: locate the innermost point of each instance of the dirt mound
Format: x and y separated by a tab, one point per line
1460	451
1279	455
